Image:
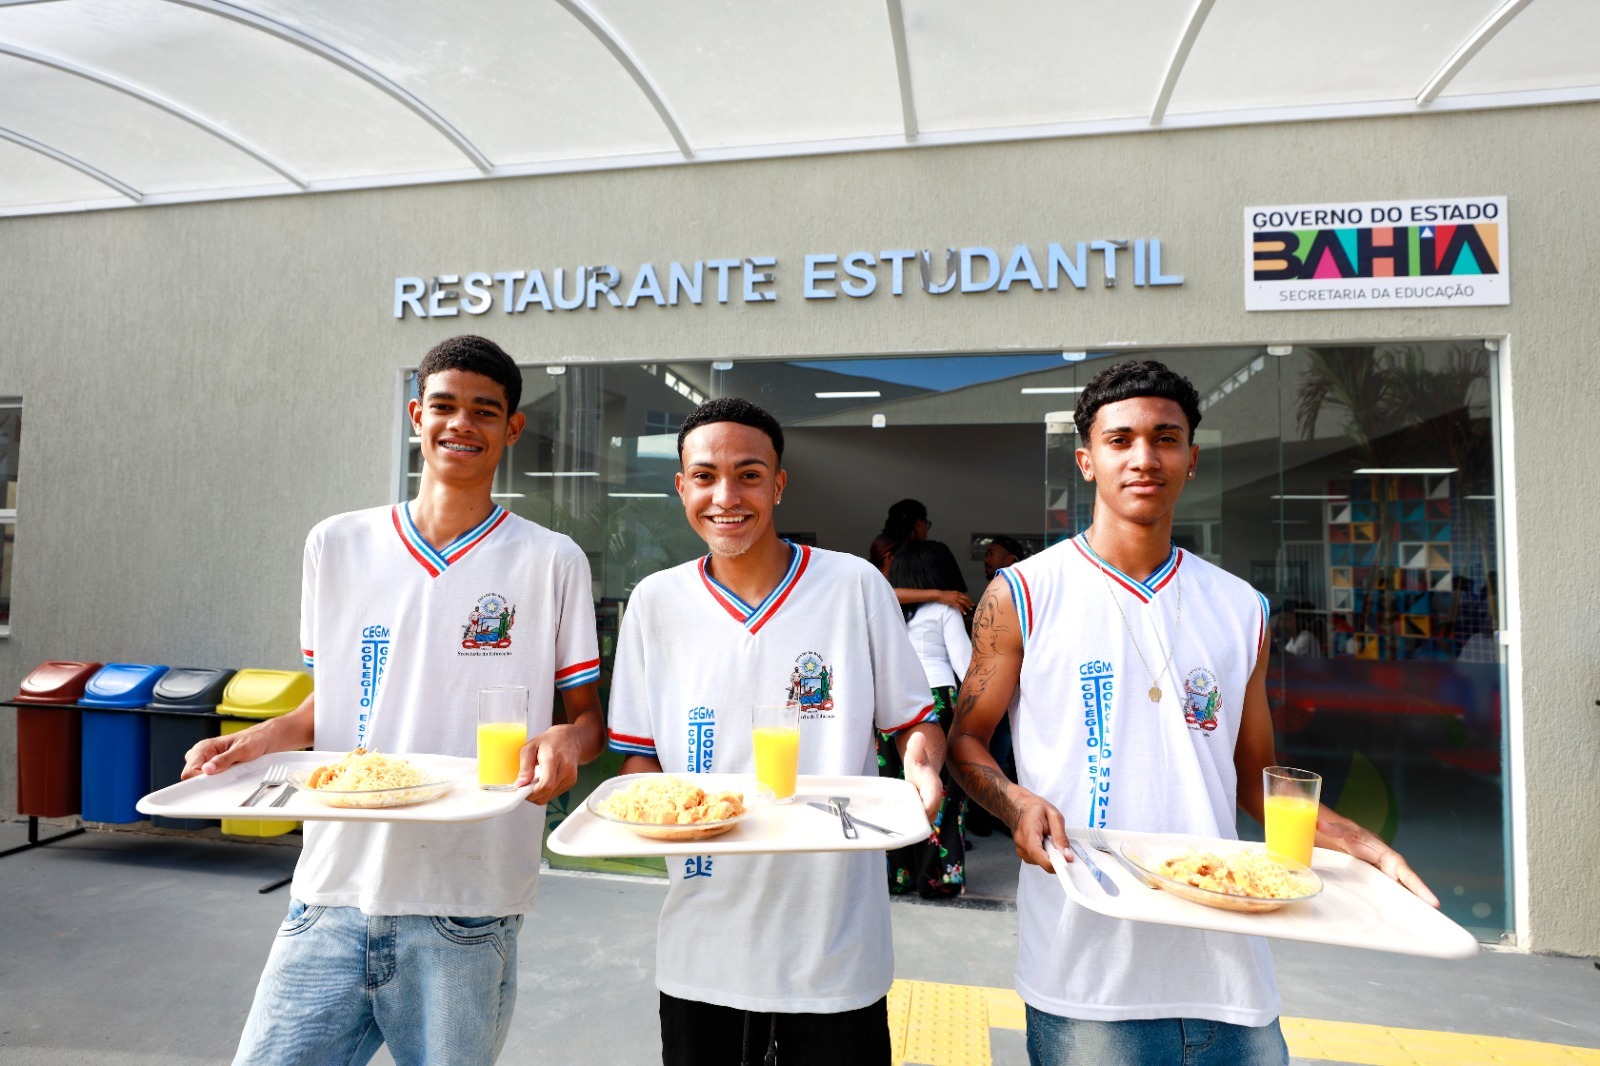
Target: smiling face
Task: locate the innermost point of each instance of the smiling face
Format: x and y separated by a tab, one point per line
462	421
1139	457
729	484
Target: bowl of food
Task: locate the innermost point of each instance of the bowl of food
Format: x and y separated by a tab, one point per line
677	807
371	780
1234	879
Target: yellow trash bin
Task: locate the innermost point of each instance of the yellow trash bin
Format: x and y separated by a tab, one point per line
261	694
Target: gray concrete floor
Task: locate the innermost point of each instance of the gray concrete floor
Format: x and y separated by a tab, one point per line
130	949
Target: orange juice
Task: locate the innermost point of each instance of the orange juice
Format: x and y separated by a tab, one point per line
500	752
1291	827
777	758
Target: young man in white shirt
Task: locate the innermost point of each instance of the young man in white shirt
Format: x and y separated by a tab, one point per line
1138	674
759	954
405	933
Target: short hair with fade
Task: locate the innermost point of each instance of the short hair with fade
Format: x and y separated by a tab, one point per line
732	409
1129	380
476	355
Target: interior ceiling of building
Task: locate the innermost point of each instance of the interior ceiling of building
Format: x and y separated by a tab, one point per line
120	103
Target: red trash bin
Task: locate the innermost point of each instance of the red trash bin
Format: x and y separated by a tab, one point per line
50	739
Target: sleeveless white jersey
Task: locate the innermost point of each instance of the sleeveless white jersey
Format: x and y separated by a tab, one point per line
401	636
1089	739
782	933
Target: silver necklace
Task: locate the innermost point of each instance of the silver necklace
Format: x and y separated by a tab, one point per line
1155	679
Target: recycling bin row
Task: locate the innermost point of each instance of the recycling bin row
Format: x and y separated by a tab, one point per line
93	738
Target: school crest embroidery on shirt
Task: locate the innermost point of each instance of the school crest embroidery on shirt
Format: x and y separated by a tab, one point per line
489	624
811	685
1202	699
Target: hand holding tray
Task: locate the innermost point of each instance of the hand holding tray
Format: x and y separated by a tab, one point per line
783	827
220	795
1359	905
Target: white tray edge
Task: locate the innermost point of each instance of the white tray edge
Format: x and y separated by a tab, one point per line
582	835
1419	930
190	799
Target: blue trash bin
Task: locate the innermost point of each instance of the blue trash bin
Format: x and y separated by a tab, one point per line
116	744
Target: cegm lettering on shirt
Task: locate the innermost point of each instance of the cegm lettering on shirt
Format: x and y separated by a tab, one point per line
1094	667
375	633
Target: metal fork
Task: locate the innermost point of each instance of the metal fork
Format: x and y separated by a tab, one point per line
839	803
1097	840
275	776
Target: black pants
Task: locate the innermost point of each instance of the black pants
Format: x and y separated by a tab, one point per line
700	1034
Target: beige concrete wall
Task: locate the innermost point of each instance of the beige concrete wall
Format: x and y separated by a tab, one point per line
203	382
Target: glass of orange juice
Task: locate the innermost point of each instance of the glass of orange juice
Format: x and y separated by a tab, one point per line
502	731
777	744
1291	811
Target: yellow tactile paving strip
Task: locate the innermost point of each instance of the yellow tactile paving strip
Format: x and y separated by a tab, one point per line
934	1024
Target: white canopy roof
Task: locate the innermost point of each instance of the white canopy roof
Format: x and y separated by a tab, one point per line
112	103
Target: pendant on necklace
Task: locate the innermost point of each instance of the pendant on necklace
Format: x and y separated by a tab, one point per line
1155	694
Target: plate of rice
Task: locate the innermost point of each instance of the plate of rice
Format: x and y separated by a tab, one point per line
674	806
1241	879
370	780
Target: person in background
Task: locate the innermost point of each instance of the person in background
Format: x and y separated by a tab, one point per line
933	868
1000	553
1300	631
908	521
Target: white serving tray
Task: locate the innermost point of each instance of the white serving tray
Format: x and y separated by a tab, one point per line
219	795
1359	906
795	826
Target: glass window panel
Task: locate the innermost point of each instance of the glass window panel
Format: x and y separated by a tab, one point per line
10	447
1354	486
1386	674
8	539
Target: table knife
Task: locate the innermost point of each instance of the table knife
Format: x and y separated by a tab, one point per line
854	817
1108	885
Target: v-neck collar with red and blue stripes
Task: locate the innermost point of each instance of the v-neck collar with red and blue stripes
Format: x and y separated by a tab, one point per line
753	618
437	560
1145	590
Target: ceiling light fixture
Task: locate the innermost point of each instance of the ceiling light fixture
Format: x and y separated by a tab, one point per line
873	395
1407	470
562	473
1051	390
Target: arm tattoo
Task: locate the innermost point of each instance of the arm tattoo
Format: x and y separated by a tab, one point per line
987	785
983	781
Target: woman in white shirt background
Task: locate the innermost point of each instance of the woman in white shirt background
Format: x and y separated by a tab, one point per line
933	868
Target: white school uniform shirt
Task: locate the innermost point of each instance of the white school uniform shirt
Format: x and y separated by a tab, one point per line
941	642
781	933
1090	741
401	636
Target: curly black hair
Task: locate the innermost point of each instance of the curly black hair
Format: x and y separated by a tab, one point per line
477	355
1130	379
732	409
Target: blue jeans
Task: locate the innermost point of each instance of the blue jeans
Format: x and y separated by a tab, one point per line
339	984
1057	1041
